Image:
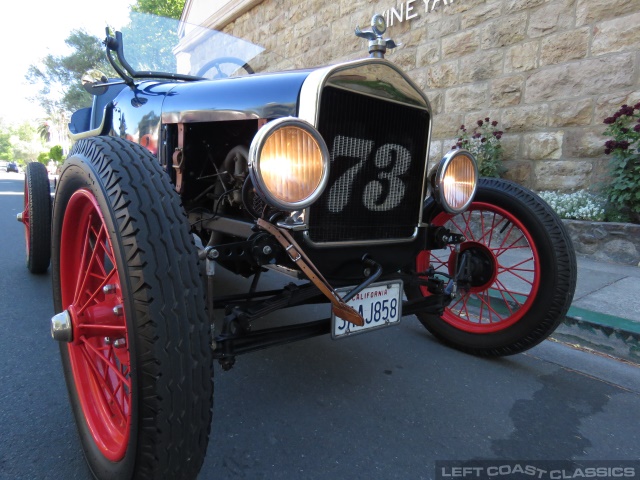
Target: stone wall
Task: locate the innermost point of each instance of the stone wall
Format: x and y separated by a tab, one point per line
611	242
548	70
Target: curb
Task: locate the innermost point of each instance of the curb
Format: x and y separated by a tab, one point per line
614	336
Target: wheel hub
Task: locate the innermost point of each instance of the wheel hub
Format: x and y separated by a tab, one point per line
61	327
480	266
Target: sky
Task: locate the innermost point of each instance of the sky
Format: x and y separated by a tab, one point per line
30	29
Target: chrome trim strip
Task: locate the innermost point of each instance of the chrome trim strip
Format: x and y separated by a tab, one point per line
358	243
90	133
310	92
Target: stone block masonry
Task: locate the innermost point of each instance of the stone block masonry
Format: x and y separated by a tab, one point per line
548	70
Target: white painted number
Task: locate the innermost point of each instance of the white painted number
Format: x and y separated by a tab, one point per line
372	198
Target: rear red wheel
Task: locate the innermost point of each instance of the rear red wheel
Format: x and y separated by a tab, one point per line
36	217
520	272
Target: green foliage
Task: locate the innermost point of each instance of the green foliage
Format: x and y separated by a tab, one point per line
19	143
43	158
44	131
56	153
6	149
580	205
59	73
163	8
623	191
484	143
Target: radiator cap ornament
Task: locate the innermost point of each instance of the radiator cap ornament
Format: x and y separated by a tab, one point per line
377	45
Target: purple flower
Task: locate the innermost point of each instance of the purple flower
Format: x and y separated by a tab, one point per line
483	140
459	144
623	145
487	119
499	135
476	135
494	123
636	106
480	123
610	144
609	120
637	128
607	151
461	127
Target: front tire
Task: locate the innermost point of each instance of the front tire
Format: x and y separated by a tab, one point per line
524	272
139	367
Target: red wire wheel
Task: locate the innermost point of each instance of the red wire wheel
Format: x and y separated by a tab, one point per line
92	294
520	272
136	350
506	268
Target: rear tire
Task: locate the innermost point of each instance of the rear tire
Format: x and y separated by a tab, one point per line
139	369
524	272
36	217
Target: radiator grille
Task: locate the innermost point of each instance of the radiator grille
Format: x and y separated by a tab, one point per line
378	151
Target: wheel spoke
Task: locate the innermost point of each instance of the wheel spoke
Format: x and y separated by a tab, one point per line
101	330
93	257
485	300
106	388
503	289
85	250
106	361
98	290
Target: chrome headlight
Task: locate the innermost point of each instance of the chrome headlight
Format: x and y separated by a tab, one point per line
289	163
455	180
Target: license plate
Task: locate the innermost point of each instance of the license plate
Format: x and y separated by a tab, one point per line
380	304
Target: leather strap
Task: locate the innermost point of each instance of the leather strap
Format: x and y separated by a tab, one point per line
340	308
178	158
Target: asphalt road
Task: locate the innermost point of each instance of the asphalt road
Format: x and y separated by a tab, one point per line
383	405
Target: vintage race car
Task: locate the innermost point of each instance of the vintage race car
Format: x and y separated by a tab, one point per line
319	174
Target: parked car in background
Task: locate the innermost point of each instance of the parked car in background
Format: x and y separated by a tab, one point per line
12	167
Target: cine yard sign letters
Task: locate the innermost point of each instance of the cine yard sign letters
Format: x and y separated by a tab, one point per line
411	9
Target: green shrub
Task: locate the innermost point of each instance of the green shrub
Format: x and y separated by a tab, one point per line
623	191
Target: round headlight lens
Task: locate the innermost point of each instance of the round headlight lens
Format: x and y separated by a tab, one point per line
289	163
456	180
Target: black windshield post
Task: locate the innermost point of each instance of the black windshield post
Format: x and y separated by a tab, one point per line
115	45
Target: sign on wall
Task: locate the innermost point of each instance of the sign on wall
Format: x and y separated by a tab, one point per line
412	9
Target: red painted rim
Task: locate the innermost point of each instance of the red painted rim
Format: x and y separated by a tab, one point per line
99	353
26	220
514	281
